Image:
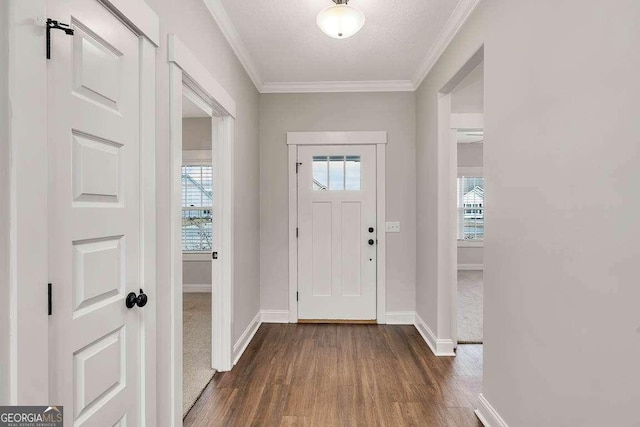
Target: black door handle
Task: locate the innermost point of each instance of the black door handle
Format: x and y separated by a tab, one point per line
133	299
371	242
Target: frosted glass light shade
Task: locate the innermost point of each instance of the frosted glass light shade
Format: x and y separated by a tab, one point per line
340	21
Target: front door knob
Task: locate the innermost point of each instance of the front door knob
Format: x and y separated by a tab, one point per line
371	242
133	299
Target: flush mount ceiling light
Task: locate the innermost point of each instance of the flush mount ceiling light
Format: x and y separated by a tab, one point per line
340	20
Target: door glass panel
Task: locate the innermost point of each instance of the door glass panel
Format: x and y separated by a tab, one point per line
320	172
336	173
352	173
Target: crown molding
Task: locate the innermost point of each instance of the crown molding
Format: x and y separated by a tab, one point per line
339	86
231	34
459	16
454	23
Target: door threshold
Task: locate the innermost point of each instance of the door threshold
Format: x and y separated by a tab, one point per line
339	321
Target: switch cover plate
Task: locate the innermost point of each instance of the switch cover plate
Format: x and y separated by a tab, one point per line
393	226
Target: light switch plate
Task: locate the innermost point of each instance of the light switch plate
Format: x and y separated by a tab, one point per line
393	226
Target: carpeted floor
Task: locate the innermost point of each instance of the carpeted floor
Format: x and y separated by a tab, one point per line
470	294
196	362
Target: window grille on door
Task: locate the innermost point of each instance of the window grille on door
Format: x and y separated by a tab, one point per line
336	173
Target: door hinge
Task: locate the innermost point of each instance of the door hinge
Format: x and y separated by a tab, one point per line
297	296
55	25
297	232
298	164
49	296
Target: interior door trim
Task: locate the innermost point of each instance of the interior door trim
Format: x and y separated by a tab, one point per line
377	138
185	70
337	138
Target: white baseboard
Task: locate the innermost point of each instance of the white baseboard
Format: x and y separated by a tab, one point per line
196	288
487	414
401	317
275	316
241	345
479	267
439	347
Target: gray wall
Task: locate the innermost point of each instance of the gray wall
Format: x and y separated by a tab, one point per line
562	278
468	96
469	155
393	112
196	272
4	206
191	21
196	135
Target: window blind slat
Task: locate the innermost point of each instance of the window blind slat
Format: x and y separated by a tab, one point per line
197	199
470	204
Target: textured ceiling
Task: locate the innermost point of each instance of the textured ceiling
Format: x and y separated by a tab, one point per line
285	44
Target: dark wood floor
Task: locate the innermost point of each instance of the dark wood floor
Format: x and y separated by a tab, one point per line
342	375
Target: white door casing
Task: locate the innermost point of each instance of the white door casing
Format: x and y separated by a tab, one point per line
96	257
445	328
379	140
337	232
188	75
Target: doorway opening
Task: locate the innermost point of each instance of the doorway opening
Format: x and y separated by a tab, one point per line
201	228
470	208
461	112
197	246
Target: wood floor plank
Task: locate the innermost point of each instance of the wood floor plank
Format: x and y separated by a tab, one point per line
271	406
423	414
342	375
325	407
291	421
327	335
300	400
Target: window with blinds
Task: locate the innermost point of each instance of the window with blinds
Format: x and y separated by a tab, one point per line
470	208
196	208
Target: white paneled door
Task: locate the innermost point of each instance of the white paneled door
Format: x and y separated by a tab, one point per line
337	232
96	366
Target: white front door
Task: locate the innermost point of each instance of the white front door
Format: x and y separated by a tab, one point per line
96	371
337	232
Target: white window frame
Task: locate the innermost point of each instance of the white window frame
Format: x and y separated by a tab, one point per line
196	158
477	172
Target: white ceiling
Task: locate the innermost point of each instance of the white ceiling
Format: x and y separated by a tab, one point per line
282	48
